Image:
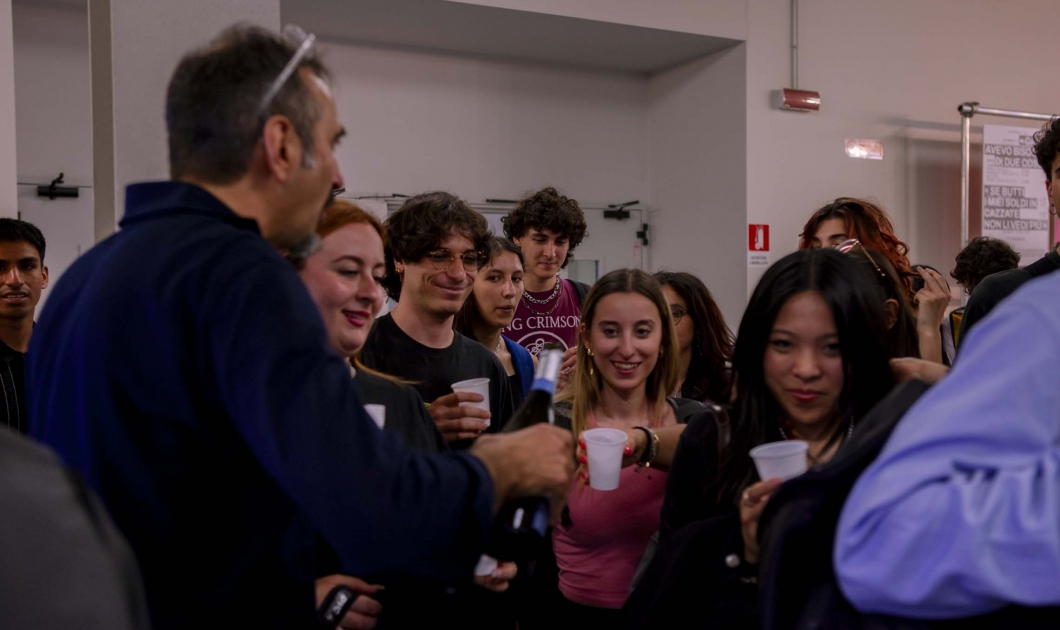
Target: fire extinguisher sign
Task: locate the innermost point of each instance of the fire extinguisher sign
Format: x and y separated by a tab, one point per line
758	245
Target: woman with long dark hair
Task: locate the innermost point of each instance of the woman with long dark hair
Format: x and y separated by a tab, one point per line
490	309
810	361
703	337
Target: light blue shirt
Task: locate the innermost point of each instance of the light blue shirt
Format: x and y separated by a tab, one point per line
960	514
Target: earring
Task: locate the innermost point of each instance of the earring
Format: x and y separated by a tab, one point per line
590	351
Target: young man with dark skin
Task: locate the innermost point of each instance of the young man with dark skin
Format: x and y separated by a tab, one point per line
22	278
183	369
996	287
435	245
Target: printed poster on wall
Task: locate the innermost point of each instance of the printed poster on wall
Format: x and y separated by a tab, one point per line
1015	203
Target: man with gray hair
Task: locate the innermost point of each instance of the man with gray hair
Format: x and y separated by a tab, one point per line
183	369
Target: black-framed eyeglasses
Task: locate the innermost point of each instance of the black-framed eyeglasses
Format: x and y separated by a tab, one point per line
677	313
442	259
850	244
302	43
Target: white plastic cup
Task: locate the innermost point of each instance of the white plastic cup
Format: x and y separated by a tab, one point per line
780	460
476	386
603	449
486	565
378	413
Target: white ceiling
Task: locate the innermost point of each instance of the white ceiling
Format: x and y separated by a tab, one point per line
499	33
76	4
455	27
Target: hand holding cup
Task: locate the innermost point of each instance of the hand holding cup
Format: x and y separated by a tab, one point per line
456	419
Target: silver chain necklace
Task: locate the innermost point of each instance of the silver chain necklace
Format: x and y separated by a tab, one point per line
555	292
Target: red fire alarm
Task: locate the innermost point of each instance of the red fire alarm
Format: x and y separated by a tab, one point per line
797	100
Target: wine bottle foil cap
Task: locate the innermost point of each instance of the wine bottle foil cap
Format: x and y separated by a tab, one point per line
549	362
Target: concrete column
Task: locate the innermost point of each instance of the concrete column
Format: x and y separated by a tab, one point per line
698	149
8	163
135	45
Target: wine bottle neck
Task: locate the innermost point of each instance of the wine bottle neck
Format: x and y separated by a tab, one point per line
548	365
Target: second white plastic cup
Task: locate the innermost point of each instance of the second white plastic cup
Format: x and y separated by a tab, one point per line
603	449
476	386
378	413
780	460
486	565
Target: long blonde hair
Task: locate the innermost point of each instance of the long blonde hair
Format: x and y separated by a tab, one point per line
583	393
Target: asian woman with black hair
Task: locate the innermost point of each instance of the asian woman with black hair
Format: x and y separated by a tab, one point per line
810	361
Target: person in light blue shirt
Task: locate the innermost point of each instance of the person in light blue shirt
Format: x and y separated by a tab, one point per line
960	513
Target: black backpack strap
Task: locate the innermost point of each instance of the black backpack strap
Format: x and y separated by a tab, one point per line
685	408
580	289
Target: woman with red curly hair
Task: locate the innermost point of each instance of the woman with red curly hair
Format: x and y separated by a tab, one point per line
847	218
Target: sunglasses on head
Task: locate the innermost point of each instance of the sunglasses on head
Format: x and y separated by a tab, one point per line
850	244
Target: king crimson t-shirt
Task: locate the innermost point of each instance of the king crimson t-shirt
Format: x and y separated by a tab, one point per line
534	325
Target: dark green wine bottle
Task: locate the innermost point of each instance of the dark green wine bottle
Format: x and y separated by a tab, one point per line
521	524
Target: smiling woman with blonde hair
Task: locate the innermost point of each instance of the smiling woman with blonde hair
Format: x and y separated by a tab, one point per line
627	365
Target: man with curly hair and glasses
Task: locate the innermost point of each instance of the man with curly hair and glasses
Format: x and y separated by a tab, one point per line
435	246
547	226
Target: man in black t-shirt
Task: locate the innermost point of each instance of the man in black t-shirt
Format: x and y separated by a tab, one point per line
435	245
995	288
22	278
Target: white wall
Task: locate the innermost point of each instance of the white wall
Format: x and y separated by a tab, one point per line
893	71
135	47
52	92
8	154
719	18
483	129
54	119
698	174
